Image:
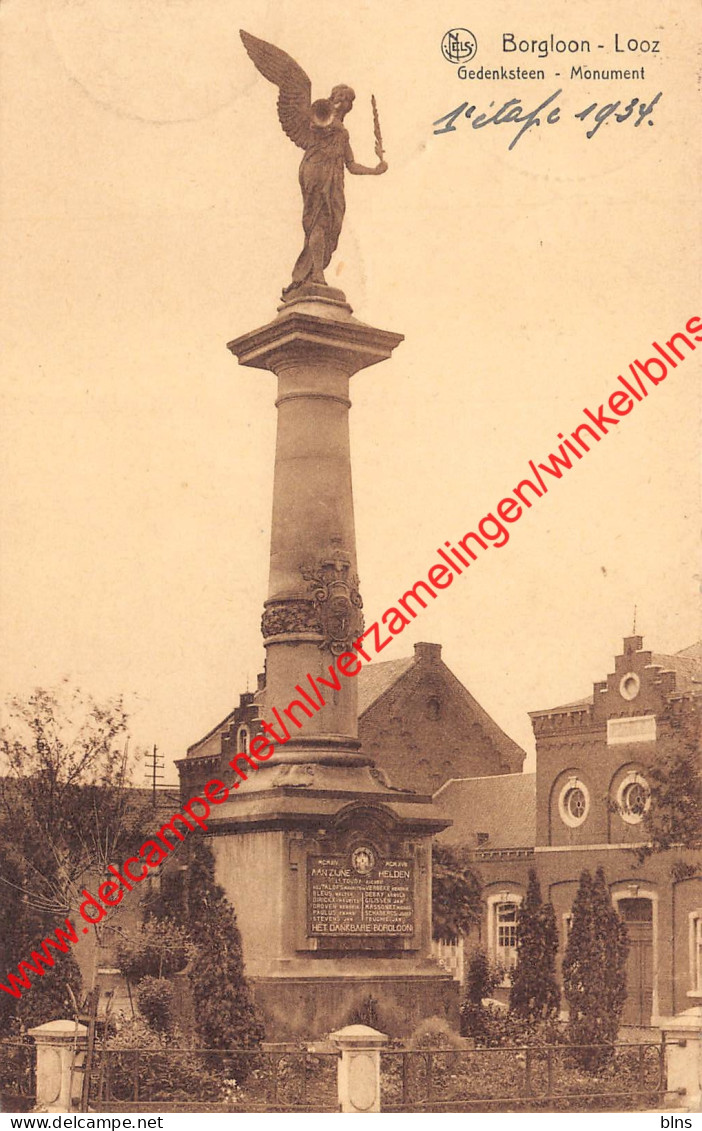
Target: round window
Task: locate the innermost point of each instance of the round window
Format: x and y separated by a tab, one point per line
574	803
629	686
633	798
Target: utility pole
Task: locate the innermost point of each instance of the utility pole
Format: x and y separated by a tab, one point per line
154	766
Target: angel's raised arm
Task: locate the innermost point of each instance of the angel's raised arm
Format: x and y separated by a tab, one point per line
294	87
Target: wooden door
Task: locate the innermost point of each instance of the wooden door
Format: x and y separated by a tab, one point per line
638	916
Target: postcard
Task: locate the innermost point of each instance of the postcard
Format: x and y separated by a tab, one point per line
324	326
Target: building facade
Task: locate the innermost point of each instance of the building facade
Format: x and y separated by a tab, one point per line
586	806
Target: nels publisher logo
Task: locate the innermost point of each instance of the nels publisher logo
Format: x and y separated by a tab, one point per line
459	45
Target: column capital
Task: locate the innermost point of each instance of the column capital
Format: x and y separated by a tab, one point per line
299	337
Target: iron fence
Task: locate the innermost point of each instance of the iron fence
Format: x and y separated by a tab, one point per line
247	1080
556	1078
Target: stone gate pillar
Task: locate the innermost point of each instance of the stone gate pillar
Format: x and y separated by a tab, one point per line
359	1067
682	1038
58	1043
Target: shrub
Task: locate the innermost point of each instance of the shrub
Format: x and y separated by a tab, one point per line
225	1014
434	1033
456	903
594	972
481	979
162	1070
155	998
534	993
158	948
365	1013
51	998
499	1028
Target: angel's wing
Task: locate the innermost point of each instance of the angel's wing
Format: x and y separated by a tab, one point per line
294	87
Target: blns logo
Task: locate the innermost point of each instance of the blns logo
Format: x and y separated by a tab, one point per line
458	45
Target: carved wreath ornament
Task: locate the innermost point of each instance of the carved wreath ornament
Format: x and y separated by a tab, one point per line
332	610
289	617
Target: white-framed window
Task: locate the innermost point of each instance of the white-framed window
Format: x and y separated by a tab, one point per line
574	802
242	740
506	934
633	797
502	928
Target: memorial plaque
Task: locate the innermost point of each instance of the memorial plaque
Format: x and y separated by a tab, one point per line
360	893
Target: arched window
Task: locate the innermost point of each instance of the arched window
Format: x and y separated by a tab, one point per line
433	709
242	740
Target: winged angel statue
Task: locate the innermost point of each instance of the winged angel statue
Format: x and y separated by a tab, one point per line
317	127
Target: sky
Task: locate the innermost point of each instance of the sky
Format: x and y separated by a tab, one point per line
150	213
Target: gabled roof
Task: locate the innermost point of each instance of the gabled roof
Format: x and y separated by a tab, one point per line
503	806
375	679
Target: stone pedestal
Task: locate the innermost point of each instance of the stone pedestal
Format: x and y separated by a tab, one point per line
329	867
57	1043
359	1067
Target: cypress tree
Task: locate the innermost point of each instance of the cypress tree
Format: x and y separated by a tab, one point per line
225	1014
614	951
594	972
534	994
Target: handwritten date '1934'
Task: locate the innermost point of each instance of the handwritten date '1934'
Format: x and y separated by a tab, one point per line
513	112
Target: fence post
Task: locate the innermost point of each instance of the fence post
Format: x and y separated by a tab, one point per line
682	1042
358	1074
57	1042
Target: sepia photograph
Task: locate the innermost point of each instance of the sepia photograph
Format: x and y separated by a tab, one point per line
325	326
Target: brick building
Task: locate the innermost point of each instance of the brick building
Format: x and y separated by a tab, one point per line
584	807
416	719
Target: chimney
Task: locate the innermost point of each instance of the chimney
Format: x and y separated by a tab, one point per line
427	653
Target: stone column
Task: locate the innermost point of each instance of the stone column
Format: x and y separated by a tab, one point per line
312	613
318	797
359	1067
57	1043
682	1037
